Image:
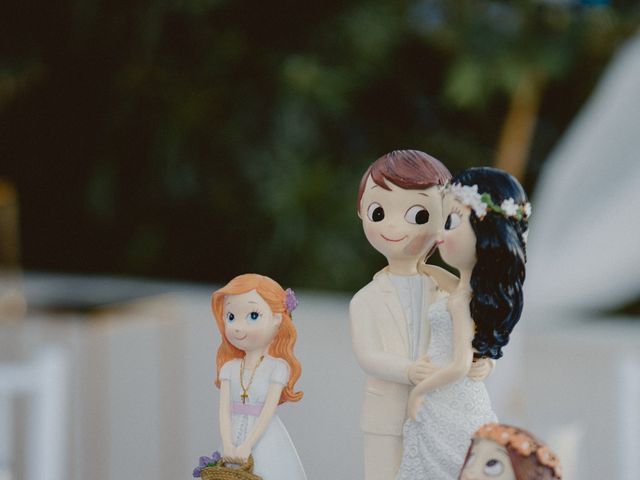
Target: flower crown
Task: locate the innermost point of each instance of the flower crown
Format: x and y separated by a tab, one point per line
481	203
290	300
522	443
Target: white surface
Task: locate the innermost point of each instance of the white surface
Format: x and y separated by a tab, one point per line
142	372
42	382
628	372
141	387
578	379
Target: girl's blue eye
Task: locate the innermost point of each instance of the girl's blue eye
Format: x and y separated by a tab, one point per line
254	315
230	317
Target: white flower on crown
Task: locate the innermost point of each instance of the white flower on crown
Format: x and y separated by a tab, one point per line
481	203
480	208
468	195
525	236
509	207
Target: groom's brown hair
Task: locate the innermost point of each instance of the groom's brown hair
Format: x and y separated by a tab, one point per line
408	169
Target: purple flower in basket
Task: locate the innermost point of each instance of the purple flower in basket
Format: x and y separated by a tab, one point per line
206	462
290	300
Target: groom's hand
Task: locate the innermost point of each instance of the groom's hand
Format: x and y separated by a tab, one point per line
421	369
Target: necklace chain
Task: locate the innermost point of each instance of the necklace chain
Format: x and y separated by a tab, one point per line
245	390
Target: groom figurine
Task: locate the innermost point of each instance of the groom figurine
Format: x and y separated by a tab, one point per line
400	205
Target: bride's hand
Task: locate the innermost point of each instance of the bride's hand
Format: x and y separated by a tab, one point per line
415	402
481	369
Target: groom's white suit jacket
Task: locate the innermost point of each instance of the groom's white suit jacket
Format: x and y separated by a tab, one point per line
381	345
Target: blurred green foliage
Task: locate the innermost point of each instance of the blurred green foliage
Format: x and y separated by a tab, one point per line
200	139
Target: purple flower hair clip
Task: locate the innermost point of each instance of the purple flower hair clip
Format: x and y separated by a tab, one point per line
290	300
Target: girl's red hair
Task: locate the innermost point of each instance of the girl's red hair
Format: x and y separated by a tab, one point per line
284	341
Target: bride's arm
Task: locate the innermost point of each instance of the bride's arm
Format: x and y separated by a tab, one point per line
480	368
259	427
445	280
462	353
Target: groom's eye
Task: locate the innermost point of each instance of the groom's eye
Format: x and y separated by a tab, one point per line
375	212
417	215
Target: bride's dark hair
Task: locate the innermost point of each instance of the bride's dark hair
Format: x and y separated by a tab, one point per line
499	272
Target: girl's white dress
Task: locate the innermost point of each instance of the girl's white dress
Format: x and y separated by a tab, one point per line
274	455
435	445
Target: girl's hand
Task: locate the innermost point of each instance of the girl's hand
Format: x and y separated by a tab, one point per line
242	452
229	452
415	402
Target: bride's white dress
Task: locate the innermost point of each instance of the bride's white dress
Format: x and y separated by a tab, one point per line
274	455
436	443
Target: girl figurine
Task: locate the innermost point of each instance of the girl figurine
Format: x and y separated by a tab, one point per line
257	371
501	452
484	238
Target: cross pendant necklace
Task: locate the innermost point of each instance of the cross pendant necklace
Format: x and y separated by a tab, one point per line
245	390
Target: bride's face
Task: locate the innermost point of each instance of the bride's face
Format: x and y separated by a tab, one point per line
457	239
487	461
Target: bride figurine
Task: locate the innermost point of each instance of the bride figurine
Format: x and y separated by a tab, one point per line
257	371
484	238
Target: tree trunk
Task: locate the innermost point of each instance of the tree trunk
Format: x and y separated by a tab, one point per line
514	145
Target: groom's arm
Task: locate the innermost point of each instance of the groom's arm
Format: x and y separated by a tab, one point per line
368	348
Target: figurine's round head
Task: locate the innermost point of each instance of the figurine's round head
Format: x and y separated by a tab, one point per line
253	312
502	452
249	322
400	203
485	232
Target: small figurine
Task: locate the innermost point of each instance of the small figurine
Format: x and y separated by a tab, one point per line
501	452
257	371
484	238
400	205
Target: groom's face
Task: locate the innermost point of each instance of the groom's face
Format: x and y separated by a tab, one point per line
399	223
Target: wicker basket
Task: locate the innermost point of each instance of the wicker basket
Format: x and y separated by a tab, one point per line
222	472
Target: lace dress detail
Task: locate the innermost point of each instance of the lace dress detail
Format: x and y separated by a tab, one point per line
436	443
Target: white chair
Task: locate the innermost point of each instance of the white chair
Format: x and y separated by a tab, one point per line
42	385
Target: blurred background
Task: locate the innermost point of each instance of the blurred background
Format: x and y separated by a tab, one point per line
151	150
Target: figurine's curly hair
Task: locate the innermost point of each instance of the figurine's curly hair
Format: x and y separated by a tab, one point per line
497	277
284	341
526	466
